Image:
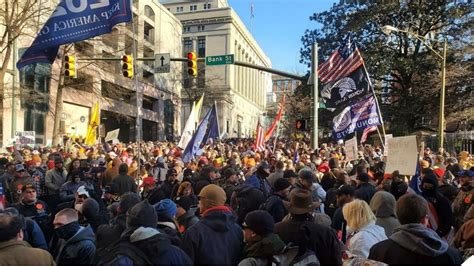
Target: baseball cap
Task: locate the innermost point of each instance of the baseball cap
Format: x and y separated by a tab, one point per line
147	181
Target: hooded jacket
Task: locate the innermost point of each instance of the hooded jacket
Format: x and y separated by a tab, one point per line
79	249
16	252
258	252
414	244
361	242
187	220
383	206
215	239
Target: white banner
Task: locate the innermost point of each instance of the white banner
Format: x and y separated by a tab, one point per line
25	137
351	149
402	155
387	137
112	135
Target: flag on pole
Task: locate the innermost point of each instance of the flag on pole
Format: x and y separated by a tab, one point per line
3	202
341	63
269	132
207	129
366	133
259	138
251	10
94	122
190	126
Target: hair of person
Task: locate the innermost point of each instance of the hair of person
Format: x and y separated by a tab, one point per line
10	226
280	165
123	168
411	208
361	168
427	171
69	213
358	214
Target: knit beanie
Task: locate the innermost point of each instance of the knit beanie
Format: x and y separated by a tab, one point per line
165	210
212	196
142	214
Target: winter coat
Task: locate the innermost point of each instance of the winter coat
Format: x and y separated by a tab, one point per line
154	196
112	172
168	187
276	208
53	181
329	179
365	191
187	220
68	190
360	242
274	177
260	184
444	213
263	248
15	252
33	235
461	204
464	238
200	182
414	244
215	239
79	249
125	184
39	212
229	188
449	191
383	206
110	233
170	230
302	230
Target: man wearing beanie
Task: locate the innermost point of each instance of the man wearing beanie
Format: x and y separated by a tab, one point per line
141	243
261	243
259	179
216	238
275	204
185	214
166	212
231	183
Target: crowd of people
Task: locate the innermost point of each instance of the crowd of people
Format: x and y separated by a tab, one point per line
110	204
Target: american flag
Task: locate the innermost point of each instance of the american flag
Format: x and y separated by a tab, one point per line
259	138
366	133
341	63
2	197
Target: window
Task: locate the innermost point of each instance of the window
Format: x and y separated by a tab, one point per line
193	7
187	29
179	9
187	45
201	47
207	6
200	28
148	32
149	12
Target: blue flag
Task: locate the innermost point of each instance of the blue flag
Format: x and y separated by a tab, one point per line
355	117
207	129
73	21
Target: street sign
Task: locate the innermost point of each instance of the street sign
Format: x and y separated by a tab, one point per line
162	63
219	60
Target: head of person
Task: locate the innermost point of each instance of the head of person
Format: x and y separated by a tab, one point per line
358	214
279	165
291	176
210	171
75	164
362	178
342	177
76	175
66	223
185	189
306	178
148	184
165	210
28	193
257	224
263	170
333	163
466	178
172	175
81	195
110	191
58	163
183	204
230	176
127	201
10	227
282	187
344	194
123	169
412	209
361	168
20	170
439	159
429	185
142	214
211	196
301	202
383	204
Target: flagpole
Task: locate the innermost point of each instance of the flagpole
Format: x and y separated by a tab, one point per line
376	101
217	119
381	141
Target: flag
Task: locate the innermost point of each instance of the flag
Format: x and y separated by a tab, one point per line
207	129
366	133
190	126
259	138
345	60
74	21
94	122
269	132
3	202
347	89
357	116
296	156
251	10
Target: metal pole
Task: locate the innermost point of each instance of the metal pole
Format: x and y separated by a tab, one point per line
314	71
13	91
138	126
441	98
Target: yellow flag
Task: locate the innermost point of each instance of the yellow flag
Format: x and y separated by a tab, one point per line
93	124
198	108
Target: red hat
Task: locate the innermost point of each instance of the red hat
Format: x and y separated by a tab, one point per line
323	168
147	181
439	172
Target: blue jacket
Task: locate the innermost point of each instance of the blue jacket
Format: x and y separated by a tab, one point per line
260	183
33	235
79	249
215	239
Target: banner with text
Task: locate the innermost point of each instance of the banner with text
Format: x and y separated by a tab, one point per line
350	146
72	21
402	155
112	135
25	137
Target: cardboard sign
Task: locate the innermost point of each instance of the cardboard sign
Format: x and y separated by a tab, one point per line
25	137
402	155
351	149
387	137
112	135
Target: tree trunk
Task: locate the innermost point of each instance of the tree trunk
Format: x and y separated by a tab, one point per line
58	110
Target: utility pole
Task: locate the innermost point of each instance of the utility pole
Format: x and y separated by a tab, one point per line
441	97
58	110
314	81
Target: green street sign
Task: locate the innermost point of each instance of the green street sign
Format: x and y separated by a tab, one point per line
216	60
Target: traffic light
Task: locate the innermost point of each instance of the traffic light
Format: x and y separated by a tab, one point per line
301	124
192	64
127	66
70	66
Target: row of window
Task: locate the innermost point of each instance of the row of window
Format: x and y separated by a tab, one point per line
199	28
180	9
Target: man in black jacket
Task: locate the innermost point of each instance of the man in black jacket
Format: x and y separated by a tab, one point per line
206	177
365	190
124	182
413	242
275	204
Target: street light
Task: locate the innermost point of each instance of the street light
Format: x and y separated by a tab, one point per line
387	30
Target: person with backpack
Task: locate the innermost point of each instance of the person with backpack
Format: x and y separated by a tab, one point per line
245	199
141	243
301	229
330	204
275	204
261	243
259	179
329	178
231	182
166	212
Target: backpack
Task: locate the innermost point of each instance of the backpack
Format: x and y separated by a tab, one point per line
330	204
296	256
245	199
110	254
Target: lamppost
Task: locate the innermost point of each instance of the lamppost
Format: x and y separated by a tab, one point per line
387	30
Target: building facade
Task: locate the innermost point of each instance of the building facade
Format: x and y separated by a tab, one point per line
35	86
213	28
